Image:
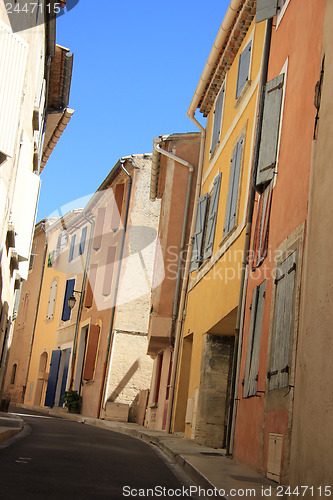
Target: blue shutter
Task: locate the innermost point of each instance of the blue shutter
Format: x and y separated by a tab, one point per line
243	69
83	240
217	119
214	204
231	209
53	378
67	354
198	233
71	250
66	312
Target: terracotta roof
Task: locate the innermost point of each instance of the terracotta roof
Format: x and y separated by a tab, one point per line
56	80
238	30
55	125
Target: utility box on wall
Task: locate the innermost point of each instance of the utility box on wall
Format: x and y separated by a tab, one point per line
274	459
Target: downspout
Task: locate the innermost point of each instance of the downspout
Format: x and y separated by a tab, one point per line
182	241
241	302
113	311
82	297
179	324
35	318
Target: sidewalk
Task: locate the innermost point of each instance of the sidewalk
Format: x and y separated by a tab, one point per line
208	468
10	425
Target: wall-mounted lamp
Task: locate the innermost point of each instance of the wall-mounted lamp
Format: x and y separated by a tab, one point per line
72	299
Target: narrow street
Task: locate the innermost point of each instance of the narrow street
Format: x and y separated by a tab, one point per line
61	459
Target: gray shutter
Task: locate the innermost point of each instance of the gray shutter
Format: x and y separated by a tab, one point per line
217	119
83	240
256	341
250	342
243	69
270	130
72	248
266	9
230	217
282	331
214	204
53	292
198	233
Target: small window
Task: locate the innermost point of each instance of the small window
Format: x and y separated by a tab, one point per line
243	69
62	240
232	201
13	375
99	228
217	125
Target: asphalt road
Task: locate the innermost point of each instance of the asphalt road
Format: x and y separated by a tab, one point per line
60	459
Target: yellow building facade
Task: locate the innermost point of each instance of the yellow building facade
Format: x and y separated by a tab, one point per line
230	101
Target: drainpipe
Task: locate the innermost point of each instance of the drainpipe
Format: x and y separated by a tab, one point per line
180	317
243	283
35	318
182	241
103	392
82	297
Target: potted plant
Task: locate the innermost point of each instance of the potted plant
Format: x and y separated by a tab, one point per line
72	401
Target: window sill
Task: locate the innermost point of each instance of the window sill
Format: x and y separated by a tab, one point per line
242	94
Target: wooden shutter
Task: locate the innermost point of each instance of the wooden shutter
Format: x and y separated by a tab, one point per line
217	119
110	260
231	209
72	248
99	228
198	233
254	340
243	69
91	286
66	312
91	354
52	299
214	204
282	330
266	9
117	206
53	378
270	130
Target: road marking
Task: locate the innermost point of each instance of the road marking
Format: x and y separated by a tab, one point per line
34	416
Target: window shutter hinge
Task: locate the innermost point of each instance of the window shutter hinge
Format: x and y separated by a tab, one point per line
279	279
293	268
285	369
270	374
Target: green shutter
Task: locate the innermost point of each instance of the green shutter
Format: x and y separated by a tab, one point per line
243	69
217	120
214	203
270	130
282	330
198	233
266	9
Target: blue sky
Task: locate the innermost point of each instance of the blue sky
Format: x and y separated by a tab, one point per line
136	66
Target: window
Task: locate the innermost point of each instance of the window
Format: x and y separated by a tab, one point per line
253	347
282	330
62	240
235	167
91	354
217	125
32	258
13	374
99	228
261	231
270	131
72	249
243	69
83	240
52	299
66	312
158	373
